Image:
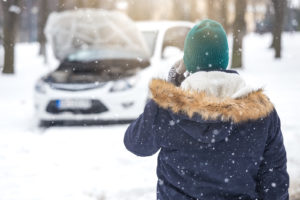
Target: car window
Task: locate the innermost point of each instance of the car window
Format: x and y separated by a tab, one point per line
150	38
175	37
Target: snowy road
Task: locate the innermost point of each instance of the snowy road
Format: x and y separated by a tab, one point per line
91	162
73	163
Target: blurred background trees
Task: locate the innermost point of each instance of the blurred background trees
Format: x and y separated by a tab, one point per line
42	19
279	11
239	30
11	12
24	20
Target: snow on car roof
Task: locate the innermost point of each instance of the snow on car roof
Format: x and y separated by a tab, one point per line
74	30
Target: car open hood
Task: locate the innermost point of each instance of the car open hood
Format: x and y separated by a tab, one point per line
71	31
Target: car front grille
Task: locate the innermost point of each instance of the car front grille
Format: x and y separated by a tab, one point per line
74	87
95	108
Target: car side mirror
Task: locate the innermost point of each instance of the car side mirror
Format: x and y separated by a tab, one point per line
171	51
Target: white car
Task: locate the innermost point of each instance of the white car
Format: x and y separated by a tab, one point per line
1	56
108	90
166	42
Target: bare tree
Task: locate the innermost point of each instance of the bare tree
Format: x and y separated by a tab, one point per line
108	5
186	11
279	7
11	11
140	9
194	14
239	30
211	9
93	3
178	10
79	3
223	13
254	7
217	10
43	15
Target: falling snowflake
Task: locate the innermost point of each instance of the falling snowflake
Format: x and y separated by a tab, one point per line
215	132
172	123
160	182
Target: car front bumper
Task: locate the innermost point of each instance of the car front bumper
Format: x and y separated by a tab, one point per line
106	106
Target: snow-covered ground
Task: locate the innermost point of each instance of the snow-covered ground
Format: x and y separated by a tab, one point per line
91	162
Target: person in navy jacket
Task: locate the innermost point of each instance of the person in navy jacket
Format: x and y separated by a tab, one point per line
217	137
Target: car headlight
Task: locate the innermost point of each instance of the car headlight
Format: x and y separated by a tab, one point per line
123	84
40	87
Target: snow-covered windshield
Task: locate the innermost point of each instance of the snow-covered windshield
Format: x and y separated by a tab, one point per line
150	37
95	30
86	55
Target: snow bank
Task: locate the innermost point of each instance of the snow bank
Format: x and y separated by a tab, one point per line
91	163
70	31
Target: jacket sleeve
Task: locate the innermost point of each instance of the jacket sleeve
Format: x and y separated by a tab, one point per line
140	137
273	177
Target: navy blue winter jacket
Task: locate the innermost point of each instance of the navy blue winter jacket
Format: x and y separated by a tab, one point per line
211	148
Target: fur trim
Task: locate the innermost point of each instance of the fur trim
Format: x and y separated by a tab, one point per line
253	106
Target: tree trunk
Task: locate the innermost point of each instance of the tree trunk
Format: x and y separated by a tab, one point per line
43	15
107	5
224	18
140	9
194	15
93	4
211	8
217	10
239	30
279	7
11	10
178	10
79	3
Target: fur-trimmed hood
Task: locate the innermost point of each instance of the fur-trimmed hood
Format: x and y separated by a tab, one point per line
213	96
209	147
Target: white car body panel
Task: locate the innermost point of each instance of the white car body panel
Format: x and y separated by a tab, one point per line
115	101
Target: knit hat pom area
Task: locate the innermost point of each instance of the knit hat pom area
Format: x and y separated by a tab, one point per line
206	47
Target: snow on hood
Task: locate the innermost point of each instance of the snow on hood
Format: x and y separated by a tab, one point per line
71	31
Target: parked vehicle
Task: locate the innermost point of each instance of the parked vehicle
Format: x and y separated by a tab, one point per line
166	42
105	83
1	58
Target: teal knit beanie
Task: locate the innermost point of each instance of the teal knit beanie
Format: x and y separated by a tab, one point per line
206	47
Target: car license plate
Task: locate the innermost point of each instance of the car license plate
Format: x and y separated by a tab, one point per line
73	104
